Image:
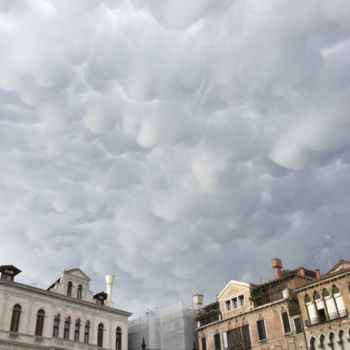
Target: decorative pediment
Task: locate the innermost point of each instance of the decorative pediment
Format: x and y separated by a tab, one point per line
76	272
234	287
340	265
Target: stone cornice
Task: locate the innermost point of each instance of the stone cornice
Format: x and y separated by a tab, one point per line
62	297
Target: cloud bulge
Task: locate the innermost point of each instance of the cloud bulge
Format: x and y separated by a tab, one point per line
173	144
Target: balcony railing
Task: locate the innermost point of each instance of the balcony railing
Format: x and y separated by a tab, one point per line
322	319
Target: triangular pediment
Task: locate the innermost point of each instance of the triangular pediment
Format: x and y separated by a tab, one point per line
340	265
76	272
233	287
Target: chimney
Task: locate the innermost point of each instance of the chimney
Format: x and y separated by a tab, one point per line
302	271
197	301
109	287
277	266
318	274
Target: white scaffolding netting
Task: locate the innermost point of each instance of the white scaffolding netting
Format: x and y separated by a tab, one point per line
170	328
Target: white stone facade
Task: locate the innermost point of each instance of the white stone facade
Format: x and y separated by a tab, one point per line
55	302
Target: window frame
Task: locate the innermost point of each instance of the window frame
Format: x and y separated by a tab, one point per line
286	322
261	330
87	332
77	330
66	328
80	292
56	326
39	326
100	330
15	318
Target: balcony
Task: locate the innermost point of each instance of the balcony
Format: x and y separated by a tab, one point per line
323	319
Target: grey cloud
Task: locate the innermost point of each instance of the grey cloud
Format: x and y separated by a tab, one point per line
175	144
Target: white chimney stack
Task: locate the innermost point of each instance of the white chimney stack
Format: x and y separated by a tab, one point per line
197	301
109	287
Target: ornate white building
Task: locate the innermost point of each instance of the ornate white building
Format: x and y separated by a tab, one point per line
65	316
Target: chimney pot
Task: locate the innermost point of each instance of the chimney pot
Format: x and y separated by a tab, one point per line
277	266
197	301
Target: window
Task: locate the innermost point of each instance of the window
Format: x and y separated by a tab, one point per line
312	343
234	303
341	340
298	326
316	295
261	329
86	332
286	324
307	299
77	330
39	323
79	292
217	342
322	337
331	340
69	288
100	335
204	344
56	325
325	292
225	339
16	315
241	300
246	337
66	328
118	339
335	290
228	305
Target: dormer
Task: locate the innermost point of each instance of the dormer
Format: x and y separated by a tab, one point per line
8	272
73	283
235	298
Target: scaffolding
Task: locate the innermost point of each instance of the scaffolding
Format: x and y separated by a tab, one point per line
170	328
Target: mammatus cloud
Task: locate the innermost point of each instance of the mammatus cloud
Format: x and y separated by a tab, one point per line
175	144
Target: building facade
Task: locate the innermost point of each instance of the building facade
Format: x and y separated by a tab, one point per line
256	316
65	316
324	307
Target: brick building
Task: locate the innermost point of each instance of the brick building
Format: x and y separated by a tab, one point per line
256	316
324	309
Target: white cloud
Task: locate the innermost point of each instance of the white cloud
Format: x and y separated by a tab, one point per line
172	143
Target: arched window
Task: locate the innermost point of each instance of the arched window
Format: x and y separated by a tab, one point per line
118	339
69	288
77	330
331	341
316	295
79	292
56	325
335	289
66	328
100	335
312	343
341	339
349	287
307	299
86	332
16	315
39	323
325	292
322	337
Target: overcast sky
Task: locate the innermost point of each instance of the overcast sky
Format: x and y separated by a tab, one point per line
176	144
